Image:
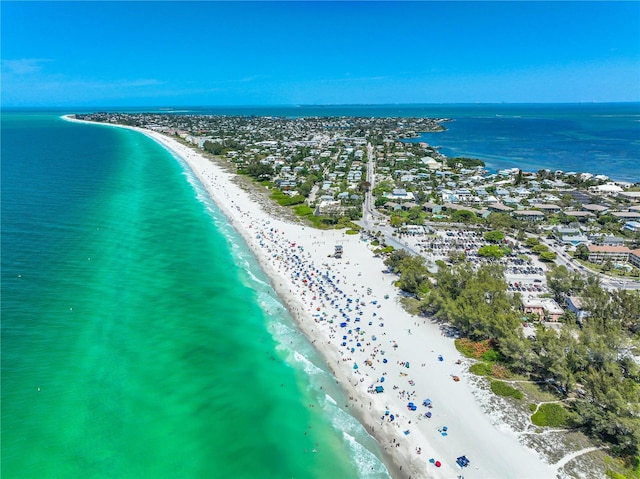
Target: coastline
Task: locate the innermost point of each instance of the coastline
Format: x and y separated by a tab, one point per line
315	298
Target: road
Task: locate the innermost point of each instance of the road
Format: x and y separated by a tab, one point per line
607	282
374	221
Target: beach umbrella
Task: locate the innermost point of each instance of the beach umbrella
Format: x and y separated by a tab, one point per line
355	366
432	460
438	464
382	379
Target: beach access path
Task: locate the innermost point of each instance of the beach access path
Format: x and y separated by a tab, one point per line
349	309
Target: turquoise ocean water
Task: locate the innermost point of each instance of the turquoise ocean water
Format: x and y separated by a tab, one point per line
139	336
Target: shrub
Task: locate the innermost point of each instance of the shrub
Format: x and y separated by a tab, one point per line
499	371
472	349
503	389
481	369
351	232
492	356
551	415
533	407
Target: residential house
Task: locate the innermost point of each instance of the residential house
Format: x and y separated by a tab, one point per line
633	226
529	215
400	194
410	204
432	208
593	208
499	208
580	215
608	189
626	215
391	206
329	208
574	304
549	208
633	196
544	308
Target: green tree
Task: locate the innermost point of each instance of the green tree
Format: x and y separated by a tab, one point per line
540	248
547	256
532	241
394	260
492	251
519	178
494	236
561	281
259	170
413	273
463	216
582	252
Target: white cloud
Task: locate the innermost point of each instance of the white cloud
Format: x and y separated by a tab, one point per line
23	66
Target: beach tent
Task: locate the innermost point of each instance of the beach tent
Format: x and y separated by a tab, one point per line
379	389
426	402
462	461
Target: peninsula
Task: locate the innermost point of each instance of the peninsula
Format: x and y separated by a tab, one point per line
363	236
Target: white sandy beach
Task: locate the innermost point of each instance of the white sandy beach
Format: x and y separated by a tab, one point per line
322	292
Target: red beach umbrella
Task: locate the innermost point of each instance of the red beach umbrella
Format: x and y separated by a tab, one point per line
438	464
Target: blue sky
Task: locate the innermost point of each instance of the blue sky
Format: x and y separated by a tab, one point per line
242	53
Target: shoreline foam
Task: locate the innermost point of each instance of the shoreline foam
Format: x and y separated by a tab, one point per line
494	450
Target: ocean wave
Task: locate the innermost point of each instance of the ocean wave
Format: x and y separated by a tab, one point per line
368	465
330	400
309	368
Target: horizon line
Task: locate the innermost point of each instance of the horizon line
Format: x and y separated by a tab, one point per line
316	105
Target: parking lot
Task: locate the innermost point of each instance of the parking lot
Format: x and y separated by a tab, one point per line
526	277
